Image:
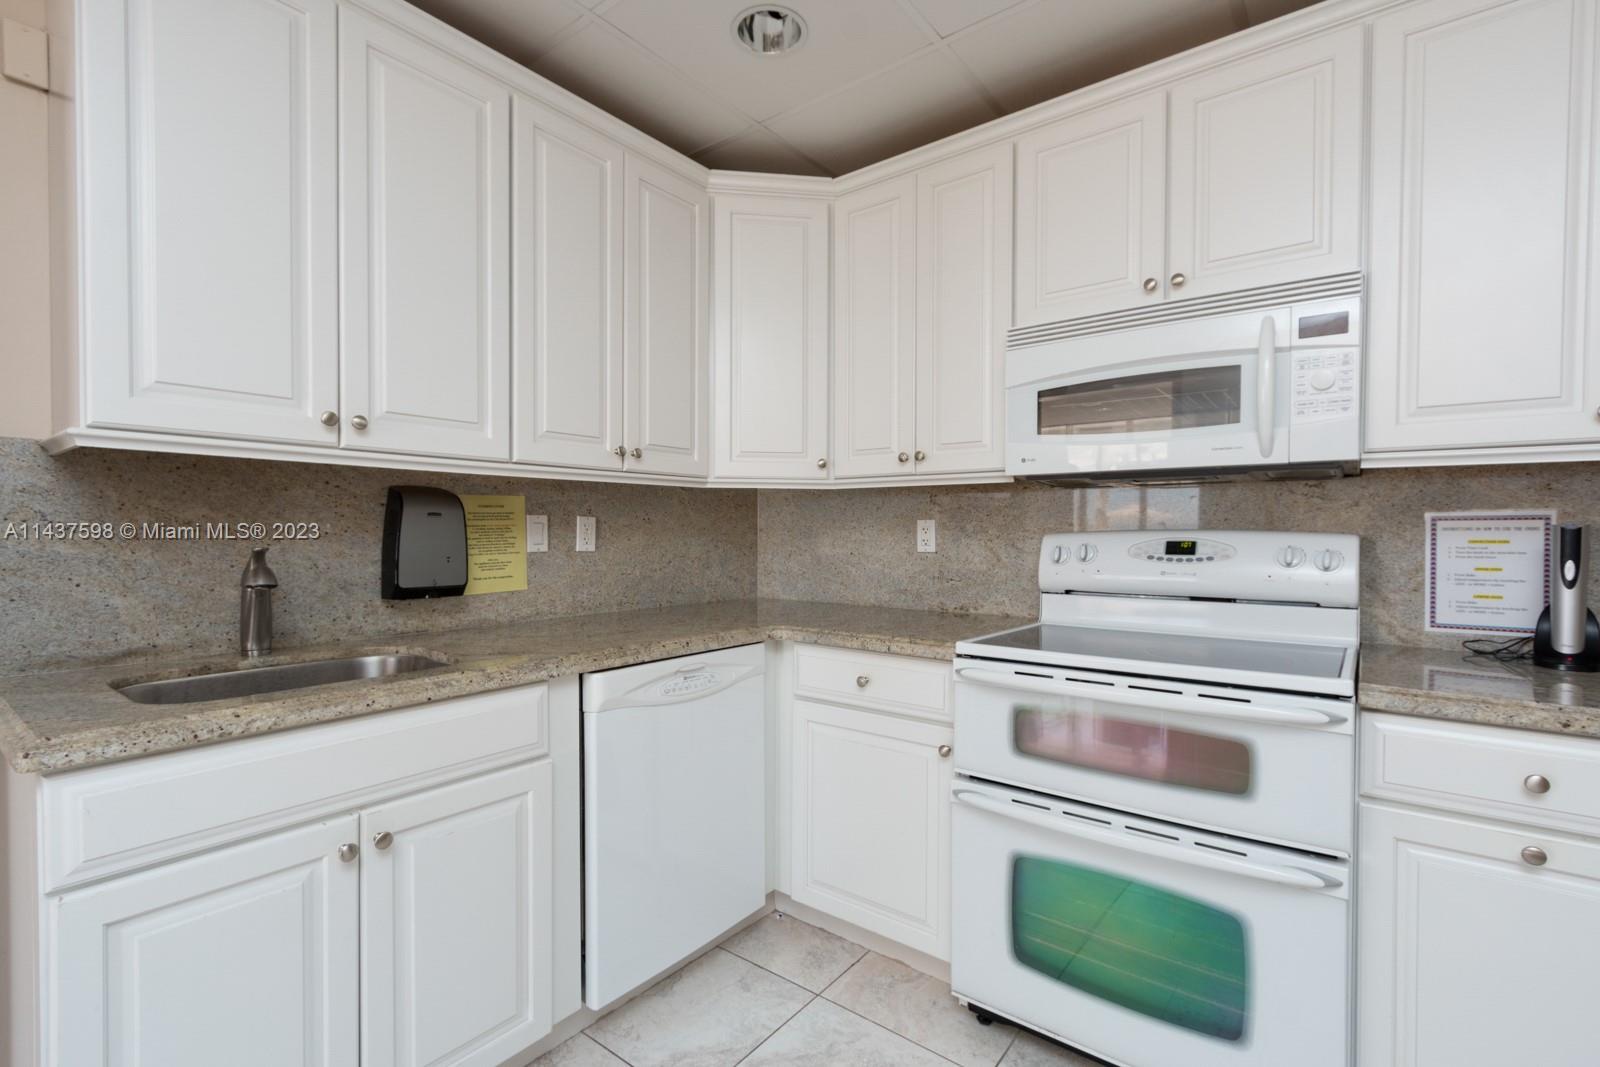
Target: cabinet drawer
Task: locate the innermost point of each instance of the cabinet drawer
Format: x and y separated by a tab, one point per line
1483	769
104	820
869	679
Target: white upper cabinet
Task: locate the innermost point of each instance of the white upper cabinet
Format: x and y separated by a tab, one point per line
666	351
425	147
1091	212
1265	171
771	369
875	330
963	311
567	259
1484	172
209	257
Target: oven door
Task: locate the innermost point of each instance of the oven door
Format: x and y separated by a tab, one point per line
1145	944
1267	765
1199	394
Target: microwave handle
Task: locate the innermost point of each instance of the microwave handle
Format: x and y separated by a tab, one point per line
1290	876
1266	386
1224	709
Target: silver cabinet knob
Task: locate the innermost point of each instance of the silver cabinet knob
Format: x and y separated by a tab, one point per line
349	852
1536	783
1151	285
920	455
822	464
1534	856
619	451
636	453
1178	280
904	457
329	418
382	840
358	421
862	681
944	751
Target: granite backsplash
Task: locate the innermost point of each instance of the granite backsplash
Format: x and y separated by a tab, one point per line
859	547
79	601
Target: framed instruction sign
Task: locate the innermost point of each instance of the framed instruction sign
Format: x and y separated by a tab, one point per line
1488	571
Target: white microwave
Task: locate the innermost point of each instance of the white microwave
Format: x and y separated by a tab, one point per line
1268	392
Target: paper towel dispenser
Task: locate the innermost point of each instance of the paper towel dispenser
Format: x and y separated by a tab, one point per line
424	543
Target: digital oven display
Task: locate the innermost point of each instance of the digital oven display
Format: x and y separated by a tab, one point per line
1181	548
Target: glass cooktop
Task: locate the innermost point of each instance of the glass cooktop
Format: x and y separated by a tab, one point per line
1188	650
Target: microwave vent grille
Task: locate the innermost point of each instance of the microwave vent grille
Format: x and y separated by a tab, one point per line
1266	296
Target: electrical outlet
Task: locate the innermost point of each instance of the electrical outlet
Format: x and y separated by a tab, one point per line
585	533
926	540
538	533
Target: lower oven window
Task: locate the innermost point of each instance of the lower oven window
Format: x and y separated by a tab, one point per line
1150	751
1163	955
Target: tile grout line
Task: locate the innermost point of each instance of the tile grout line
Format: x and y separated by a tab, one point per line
780	1026
896	1033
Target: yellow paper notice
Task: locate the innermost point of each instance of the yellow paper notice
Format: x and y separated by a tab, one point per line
497	549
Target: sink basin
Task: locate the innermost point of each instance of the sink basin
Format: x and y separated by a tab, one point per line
273	679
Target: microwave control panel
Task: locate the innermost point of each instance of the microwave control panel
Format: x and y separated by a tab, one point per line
1324	384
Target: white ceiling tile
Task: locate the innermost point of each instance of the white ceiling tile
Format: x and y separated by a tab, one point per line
610	71
521	29
846	40
916	102
1051	47
760	150
951	16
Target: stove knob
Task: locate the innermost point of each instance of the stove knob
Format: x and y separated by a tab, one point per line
1059	554
1087	553
1291	556
1328	560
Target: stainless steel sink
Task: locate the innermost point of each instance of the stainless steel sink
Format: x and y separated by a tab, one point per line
274	679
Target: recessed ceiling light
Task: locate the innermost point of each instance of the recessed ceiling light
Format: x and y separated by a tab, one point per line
769	30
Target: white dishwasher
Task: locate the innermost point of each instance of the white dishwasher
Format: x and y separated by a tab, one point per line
674	811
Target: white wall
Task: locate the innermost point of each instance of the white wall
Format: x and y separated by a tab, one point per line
24	248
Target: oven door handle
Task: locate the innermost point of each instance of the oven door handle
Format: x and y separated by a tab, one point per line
1266	386
1194	857
1225	709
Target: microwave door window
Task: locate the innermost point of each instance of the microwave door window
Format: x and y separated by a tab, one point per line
1185	399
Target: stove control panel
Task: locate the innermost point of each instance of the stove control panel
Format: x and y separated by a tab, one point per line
1305	568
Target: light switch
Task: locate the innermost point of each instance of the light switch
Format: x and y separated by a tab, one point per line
538	533
585	533
25	54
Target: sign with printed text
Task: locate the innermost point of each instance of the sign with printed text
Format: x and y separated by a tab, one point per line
497	557
1489	571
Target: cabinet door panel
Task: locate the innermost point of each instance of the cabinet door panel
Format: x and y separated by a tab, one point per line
1091	212
963	302
772	345
425	153
210	263
666	344
247	953
455	914
1482	150
871	823
875	330
1266	168
567	248
1467	954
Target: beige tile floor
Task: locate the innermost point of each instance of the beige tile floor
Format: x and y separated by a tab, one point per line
784	992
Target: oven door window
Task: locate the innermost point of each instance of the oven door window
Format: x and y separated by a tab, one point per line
1163	955
1183	399
1060	733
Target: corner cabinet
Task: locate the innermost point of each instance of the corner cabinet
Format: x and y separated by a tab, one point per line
770	374
1484	170
1245	175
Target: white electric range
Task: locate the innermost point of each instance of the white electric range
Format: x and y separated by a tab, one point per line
1155	803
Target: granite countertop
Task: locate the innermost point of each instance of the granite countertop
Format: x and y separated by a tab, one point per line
58	720
1444	683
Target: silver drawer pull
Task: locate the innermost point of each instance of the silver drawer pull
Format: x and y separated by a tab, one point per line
348	853
944	751
862	681
382	841
1536	783
1534	856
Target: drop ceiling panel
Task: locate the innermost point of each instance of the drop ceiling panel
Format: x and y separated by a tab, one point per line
846	40
762	150
1046	49
609	70
951	16
909	105
521	29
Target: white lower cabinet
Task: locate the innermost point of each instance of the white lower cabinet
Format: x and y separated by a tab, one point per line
246	955
869	831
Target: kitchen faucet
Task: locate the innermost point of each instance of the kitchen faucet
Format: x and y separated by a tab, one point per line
255	605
